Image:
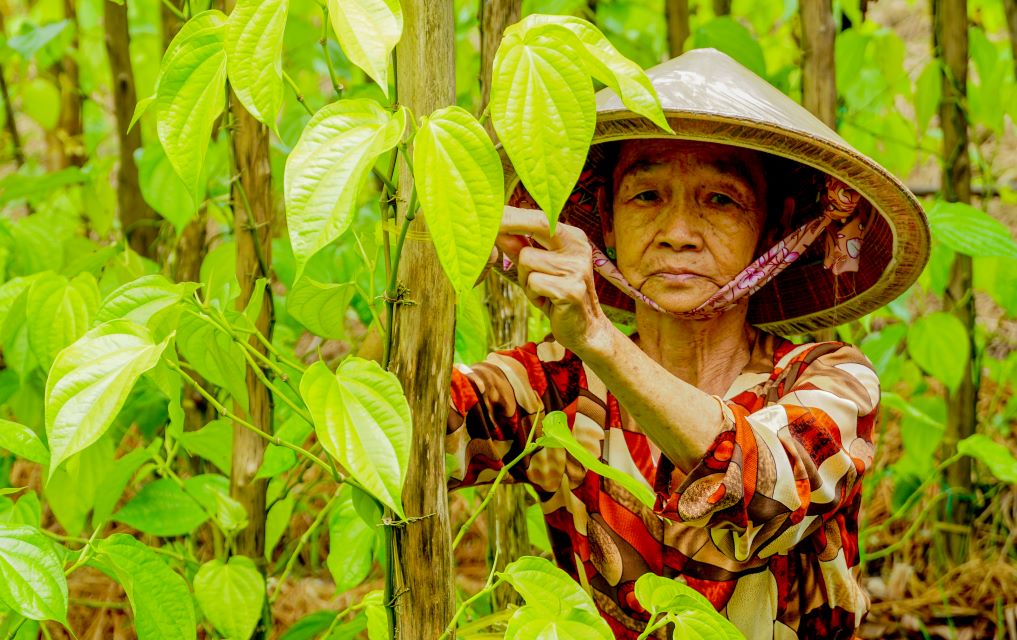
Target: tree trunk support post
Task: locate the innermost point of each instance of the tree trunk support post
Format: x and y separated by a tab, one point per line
678	31
422	349
950	22
819	82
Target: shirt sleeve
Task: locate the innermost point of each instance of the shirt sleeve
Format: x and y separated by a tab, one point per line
775	475
494	406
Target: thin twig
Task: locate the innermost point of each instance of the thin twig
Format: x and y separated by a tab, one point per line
300	545
296	93
324	49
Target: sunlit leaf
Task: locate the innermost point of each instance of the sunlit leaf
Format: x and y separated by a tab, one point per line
213	442
254	42
970	231
58	312
22	442
543	108
555	603
995	456
32	581
163	189
214	354
190	96
363	421
319	306
89	383
327	169
142	299
230	595
351	543
694	614
461	186
556	433
938	343
471	327
162	604
368	30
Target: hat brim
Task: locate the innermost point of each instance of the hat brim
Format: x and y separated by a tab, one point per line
806	296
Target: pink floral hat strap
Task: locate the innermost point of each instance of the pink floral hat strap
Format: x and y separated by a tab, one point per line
844	229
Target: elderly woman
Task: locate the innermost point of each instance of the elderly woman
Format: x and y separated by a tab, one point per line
755	446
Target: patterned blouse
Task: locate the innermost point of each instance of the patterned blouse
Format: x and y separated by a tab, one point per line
765	526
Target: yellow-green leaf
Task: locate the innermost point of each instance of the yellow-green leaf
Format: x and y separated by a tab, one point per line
254	42
367	31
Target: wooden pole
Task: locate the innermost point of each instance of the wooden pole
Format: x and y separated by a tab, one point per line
1010	9
252	227
950	32
507	307
70	149
423	338
723	7
138	220
819	80
677	25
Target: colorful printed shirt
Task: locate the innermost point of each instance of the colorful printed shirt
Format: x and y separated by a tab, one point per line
765	526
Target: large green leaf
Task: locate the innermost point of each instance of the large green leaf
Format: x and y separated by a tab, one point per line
22	442
254	43
327	169
606	64
351	543
459	179
690	611
556	434
543	108
163	609
142	299
190	96
213	442
970	231
938	343
214	354
472	326
731	37
231	595
162	508
556	606
363	421
320	306
90	381
998	458
163	189
32	579
527	623
58	312
367	31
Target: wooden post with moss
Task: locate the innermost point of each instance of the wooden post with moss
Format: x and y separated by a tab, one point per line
422	347
950	31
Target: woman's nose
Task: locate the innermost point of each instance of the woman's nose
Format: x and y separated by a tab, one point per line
681	226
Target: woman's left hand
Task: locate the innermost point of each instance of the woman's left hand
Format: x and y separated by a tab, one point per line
556	273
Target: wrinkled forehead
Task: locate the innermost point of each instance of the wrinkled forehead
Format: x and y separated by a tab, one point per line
639	156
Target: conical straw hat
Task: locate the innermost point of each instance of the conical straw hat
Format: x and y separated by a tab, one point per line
709	97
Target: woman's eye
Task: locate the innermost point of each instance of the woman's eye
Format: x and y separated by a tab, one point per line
647	196
721	199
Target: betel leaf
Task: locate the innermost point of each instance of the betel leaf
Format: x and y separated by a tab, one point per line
163	189
320	306
139	300
731	37
254	43
162	604
230	594
162	508
115	478
995	456
327	169
939	344
378	626
461	185
543	108
527	623
22	442
214	354
351	543
276	523
927	93
367	31
90	381
213	442
190	96
471	327
32	581
556	606
556	434
607	65
971	231
58	312
687	608
363	421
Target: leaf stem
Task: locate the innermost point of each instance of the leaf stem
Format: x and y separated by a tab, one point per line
392	292
489	586
914	497
389	185
304	537
902	540
527	450
324	49
177	12
296	93
226	413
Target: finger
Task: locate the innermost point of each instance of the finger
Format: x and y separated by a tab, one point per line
544	261
529	222
511	245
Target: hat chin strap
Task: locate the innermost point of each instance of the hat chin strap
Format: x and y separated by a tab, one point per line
844	229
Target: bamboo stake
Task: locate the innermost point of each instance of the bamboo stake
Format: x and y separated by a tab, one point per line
819	82
677	25
421	352
950	34
138	220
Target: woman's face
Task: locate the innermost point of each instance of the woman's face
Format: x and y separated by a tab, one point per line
687	217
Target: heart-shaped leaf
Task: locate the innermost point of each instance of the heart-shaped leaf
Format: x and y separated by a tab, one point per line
58	312
254	43
970	231
22	442
459	179
321	307
162	508
230	594
938	343
363	421
367	31
32	581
